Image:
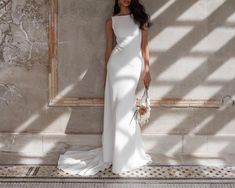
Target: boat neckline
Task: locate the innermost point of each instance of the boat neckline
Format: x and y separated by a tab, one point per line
122	15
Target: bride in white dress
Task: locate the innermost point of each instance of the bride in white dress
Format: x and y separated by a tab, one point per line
122	145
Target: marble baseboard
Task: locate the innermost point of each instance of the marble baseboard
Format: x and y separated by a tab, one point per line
168	149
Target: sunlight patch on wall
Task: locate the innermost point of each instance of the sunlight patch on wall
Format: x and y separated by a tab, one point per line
177	148
201	10
82	75
27	123
162	89
202	124
203	90
231	19
65	91
224	73
215	40
168	121
216	145
227	128
152	59
168	38
196	12
162	9
70	87
202	148
212	6
60	123
181	69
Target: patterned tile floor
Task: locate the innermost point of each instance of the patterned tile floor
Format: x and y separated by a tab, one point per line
149	172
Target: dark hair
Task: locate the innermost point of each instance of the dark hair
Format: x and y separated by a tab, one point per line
138	11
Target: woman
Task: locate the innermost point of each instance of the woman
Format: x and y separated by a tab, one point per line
122	145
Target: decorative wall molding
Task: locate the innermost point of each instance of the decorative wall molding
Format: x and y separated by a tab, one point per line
56	100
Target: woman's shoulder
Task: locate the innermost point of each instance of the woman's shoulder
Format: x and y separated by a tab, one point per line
109	20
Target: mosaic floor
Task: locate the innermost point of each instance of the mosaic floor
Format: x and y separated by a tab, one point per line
146	172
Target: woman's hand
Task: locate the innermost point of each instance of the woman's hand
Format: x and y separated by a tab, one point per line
147	79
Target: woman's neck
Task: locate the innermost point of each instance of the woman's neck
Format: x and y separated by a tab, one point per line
124	11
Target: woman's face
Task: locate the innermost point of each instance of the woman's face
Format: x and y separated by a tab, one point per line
125	3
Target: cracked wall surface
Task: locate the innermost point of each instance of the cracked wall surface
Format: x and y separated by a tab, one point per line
23	66
23	32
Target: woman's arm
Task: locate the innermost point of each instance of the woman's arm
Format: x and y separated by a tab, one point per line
145	53
109	43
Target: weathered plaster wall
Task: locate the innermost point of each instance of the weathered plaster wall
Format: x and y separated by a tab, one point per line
23	67
183	30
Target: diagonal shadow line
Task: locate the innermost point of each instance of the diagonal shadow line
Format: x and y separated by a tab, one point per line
180	23
203	70
210	128
123	148
221	19
61	113
154	6
218	119
32	125
187	42
227	149
172	54
169	16
201	54
207	129
182	128
227	48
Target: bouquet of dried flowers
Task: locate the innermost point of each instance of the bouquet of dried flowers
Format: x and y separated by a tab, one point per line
142	112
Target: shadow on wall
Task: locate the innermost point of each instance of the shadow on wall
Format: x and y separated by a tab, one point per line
191	51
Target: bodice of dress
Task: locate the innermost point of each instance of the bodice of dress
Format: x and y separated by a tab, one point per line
127	32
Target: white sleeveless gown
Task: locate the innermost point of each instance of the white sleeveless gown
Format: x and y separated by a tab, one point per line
122	145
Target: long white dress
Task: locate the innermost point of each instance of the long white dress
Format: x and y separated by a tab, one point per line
122	145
